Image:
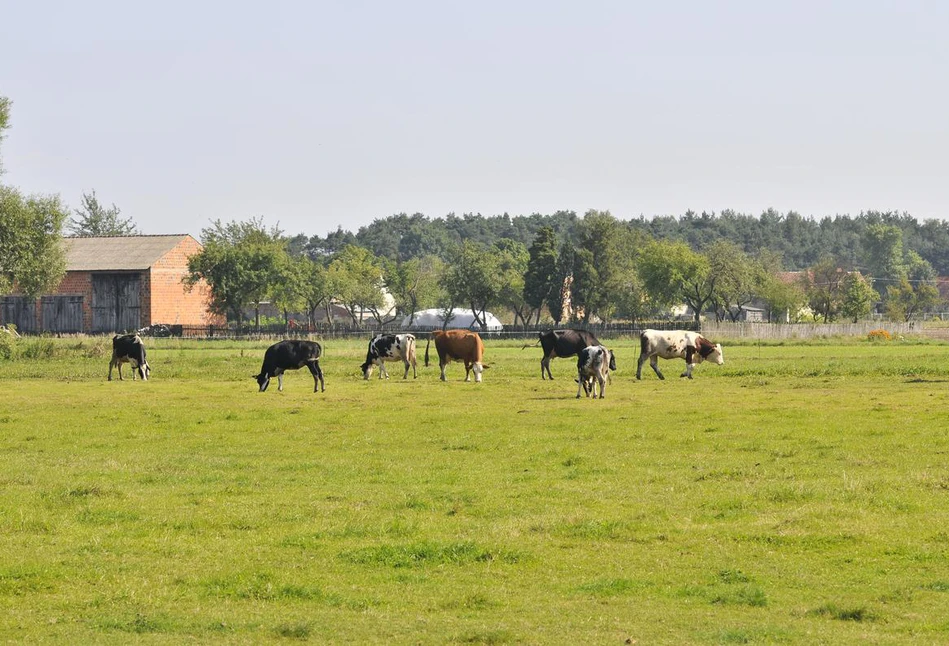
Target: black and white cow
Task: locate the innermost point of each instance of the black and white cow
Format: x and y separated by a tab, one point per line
671	344
390	347
291	354
128	348
593	367
562	343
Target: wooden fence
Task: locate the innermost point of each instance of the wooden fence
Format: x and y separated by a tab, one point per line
778	331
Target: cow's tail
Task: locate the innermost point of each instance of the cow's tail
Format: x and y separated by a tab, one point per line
536	343
410	349
427	343
643	343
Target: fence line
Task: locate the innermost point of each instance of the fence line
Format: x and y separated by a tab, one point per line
777	331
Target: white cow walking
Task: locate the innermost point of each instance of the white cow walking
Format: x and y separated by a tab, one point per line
672	344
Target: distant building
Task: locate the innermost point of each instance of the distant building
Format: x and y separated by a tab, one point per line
116	284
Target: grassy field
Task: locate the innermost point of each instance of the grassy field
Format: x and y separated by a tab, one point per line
798	494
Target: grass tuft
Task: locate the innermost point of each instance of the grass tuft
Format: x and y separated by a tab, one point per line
427	553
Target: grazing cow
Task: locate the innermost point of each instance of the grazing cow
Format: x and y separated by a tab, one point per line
390	347
669	344
562	343
291	354
593	367
128	348
461	345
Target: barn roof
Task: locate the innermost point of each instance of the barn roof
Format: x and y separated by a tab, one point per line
118	253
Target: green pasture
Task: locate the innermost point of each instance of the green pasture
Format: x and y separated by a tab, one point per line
798	494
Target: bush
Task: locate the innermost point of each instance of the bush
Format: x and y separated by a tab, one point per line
8	341
878	335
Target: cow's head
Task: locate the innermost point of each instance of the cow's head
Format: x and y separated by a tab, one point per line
143	371
478	369
263	380
366	369
716	354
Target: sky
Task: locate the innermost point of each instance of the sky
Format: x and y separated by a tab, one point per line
318	115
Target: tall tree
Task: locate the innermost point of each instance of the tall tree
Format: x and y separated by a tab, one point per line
93	219
857	296
473	278
822	287
672	273
32	258
356	275
558	302
541	279
413	283
242	263
883	255
513	259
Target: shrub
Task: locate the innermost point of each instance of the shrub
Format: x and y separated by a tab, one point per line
878	335
8	341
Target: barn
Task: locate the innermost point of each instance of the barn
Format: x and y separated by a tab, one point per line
115	284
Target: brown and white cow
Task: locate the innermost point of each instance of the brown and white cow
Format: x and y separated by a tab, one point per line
458	345
672	344
390	347
593	368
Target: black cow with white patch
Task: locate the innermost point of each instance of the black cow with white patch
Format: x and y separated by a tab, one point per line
128	348
562	343
390	347
593	368
291	354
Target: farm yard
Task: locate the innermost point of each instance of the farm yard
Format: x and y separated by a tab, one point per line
797	494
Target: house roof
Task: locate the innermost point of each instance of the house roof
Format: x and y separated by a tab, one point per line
118	253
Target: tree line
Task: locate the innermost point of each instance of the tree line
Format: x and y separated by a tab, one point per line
594	267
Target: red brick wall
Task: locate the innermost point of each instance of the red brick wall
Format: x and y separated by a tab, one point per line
165	300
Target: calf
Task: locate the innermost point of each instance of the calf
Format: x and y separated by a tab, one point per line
460	345
593	367
670	344
291	354
128	348
562	343
390	347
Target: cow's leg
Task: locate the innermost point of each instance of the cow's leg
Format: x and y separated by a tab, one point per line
414	369
467	370
383	373
134	365
581	383
654	363
314	367
442	365
689	362
602	380
119	367
639	366
280	381
111	363
545	366
405	362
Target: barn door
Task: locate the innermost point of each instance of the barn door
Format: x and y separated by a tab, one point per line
62	313
116	302
20	311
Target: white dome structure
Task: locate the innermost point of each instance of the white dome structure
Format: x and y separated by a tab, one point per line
461	318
